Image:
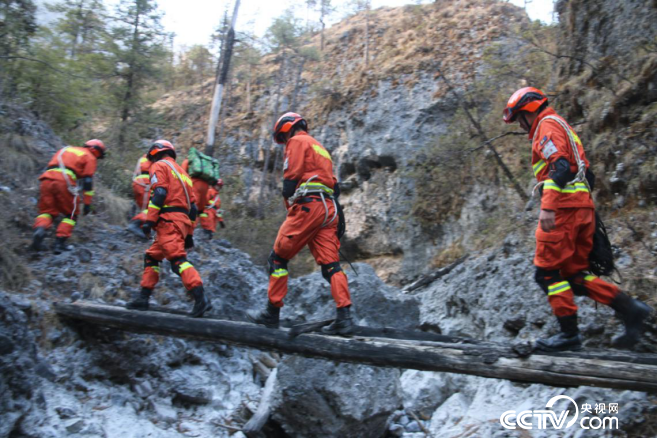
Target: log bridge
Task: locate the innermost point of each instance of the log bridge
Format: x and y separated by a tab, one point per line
386	347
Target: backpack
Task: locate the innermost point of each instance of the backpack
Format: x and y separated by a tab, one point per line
601	258
203	167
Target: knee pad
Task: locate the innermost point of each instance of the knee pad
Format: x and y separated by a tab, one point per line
330	269
544	278
150	261
276	262
178	264
577	285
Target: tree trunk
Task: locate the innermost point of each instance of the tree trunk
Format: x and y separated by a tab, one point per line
265	169
367	36
224	62
484	137
371	346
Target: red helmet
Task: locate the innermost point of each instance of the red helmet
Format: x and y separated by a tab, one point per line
97	146
285	124
160	146
219	184
527	99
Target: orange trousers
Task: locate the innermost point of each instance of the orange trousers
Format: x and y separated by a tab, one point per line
210	219
169	243
55	199
141	199
562	255
303	226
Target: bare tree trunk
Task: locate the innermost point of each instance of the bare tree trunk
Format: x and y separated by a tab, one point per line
484	137
220	81
367	35
265	169
127	98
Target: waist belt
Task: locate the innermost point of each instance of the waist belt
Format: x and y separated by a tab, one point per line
307	199
174	210
70	172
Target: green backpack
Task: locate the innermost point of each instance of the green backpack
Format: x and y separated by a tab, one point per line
203	167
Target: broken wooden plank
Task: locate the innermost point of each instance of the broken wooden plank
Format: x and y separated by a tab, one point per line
253	428
485	359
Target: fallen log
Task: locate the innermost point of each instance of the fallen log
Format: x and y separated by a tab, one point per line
616	370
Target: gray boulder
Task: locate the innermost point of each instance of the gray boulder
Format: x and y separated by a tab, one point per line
320	398
19	383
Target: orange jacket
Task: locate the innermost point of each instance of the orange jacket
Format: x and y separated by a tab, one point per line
163	176
79	163
549	143
214	201
306	158
142	170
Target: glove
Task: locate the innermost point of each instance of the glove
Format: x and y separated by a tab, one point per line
146	228
87	209
222	224
189	241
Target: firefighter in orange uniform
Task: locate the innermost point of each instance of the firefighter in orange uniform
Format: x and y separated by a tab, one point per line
141	191
70	170
310	191
200	189
564	237
171	213
212	216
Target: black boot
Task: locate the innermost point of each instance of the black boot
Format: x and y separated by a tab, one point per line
568	340
633	313
208	234
141	302
269	317
342	324
37	239
135	228
201	302
60	245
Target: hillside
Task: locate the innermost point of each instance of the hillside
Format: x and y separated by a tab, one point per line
421	191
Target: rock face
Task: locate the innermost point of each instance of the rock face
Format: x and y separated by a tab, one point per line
19	383
321	398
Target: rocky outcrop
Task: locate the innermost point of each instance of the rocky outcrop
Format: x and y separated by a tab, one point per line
322	398
20	366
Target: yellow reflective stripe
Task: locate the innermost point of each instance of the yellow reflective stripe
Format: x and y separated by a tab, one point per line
184	177
321	151
45	215
557	288
551	185
314	185
89	193
77	151
279	273
590	278
69	172
203	215
151	205
155	268
145	211
540	165
184	266
143	160
140	176
69	221
578	187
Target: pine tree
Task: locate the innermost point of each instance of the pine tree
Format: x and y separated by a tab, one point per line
139	50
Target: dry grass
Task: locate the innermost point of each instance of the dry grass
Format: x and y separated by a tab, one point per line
14	275
114	208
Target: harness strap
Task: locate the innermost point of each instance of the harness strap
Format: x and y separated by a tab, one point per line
173	168
581	165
